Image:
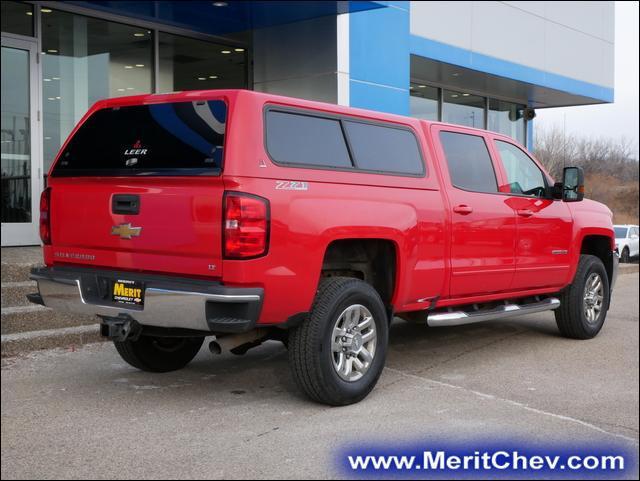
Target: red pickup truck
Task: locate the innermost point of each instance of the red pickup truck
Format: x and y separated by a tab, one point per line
250	217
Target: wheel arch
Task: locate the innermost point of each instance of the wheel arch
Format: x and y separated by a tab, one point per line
601	246
374	260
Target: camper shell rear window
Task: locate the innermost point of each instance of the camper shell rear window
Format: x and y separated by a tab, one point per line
180	138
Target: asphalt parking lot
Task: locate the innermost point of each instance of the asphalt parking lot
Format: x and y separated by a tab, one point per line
86	414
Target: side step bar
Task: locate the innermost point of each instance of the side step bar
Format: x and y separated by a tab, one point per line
457	318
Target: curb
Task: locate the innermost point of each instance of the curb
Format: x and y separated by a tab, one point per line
68	337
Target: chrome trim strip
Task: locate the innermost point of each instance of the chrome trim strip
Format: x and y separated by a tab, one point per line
210	297
163	307
457	318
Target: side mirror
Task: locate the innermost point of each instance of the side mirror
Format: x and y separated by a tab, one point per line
573	184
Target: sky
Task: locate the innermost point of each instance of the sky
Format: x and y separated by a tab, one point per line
619	119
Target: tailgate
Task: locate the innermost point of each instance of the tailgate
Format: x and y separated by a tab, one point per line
177	228
139	187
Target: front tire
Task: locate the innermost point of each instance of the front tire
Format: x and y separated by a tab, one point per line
159	354
585	302
337	355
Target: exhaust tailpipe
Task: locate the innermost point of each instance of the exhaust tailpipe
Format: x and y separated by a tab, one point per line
238	343
215	348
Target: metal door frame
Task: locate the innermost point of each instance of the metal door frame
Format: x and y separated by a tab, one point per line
27	233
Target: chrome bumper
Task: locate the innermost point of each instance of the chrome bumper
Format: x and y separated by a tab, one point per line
168	302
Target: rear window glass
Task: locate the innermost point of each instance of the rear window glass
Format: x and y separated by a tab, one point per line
469	162
305	139
181	138
384	149
621	232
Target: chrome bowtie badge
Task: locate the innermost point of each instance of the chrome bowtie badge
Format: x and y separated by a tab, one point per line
125	231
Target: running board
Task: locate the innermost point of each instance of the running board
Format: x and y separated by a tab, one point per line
457	318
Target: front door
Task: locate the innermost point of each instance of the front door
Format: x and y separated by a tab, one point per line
544	225
21	162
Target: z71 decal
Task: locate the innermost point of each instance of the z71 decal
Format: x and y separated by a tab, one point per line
291	185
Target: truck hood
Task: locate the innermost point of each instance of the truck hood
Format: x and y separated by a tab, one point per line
588	205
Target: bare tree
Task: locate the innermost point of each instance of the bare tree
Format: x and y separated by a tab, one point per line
613	157
611	167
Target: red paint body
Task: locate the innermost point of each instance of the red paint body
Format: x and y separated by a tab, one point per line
457	246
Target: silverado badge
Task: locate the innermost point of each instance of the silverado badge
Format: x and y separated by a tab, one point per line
125	231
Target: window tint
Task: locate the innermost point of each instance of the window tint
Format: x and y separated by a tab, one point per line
384	149
523	175
17	17
174	138
621	232
469	162
304	139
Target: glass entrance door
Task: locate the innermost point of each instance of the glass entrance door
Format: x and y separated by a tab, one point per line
21	162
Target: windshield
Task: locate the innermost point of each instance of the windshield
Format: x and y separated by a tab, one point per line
181	138
621	232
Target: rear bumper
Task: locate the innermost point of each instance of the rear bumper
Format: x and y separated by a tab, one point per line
168	302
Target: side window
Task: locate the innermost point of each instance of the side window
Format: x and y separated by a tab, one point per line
384	149
305	139
469	162
523	175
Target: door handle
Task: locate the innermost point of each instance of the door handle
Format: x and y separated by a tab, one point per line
125	204
524	212
463	209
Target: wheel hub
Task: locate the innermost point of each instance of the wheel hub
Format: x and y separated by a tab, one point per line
593	299
353	342
356	343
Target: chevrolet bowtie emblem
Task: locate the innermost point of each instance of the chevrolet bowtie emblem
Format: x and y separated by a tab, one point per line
125	231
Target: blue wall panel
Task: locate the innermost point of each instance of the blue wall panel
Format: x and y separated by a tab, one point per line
379	61
378	97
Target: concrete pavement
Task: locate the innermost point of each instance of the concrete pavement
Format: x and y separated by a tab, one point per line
86	414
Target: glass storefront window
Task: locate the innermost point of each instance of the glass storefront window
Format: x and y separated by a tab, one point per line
16	136
84	60
192	64
17	17
463	109
506	118
424	101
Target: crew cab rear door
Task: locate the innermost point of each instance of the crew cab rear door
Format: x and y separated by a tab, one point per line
483	225
139	187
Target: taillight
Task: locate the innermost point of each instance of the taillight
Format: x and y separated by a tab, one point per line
45	216
246	226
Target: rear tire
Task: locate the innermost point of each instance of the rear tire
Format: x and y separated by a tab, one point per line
327	351
625	257
159	354
585	302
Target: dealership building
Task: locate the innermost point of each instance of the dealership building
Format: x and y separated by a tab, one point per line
481	64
